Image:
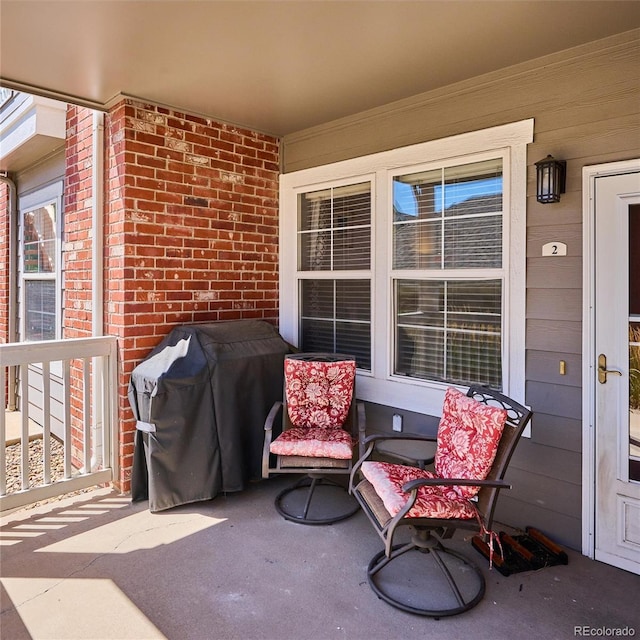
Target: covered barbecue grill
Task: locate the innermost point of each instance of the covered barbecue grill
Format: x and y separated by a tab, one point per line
200	400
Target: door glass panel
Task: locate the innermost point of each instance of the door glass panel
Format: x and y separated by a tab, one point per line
40	310
634	343
39	263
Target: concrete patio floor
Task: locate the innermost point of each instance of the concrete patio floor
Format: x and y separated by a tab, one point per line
97	566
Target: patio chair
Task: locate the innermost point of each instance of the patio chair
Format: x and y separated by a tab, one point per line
477	435
321	425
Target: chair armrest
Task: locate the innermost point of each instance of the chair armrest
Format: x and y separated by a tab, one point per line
358	464
448	482
268	435
399	436
275	409
362	427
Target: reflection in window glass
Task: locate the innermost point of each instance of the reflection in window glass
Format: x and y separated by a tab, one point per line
634	400
40	240
634	343
39	265
449	331
449	218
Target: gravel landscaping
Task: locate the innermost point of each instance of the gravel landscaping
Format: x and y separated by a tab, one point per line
36	471
36	457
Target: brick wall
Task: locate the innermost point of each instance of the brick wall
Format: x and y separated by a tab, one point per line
191	232
77	235
76	255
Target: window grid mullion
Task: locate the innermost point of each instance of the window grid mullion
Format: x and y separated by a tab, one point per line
331	235
335	312
442	221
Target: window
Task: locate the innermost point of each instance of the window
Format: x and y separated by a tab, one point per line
447	227
449	331
413	260
334	245
40	263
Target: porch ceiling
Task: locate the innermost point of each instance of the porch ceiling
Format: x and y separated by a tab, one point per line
280	67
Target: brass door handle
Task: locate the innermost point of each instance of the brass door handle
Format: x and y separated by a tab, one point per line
603	371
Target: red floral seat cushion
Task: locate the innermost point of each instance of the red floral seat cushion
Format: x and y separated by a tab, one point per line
319	393
468	436
319	396
315	442
432	502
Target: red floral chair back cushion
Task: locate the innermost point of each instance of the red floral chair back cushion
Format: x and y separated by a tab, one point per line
319	393
468	436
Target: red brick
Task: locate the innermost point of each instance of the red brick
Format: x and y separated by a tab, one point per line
165	253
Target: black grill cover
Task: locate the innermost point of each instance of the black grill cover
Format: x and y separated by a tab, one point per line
200	400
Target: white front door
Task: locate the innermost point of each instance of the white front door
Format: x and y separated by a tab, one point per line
616	370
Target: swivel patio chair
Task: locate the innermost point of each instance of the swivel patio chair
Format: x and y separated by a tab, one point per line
477	435
321	425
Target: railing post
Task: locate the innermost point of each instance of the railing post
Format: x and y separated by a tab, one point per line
24	439
66	385
46	430
100	425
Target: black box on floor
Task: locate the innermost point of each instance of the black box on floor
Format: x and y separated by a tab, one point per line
529	551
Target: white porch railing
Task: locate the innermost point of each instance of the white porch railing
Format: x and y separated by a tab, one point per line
92	460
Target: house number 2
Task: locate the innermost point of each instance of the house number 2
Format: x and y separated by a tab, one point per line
554	249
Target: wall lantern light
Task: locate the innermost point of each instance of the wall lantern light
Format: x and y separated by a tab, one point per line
550	179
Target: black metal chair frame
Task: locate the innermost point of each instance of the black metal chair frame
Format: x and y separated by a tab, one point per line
317	472
428	533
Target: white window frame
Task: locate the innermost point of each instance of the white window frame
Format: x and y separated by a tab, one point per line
41	197
379	386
